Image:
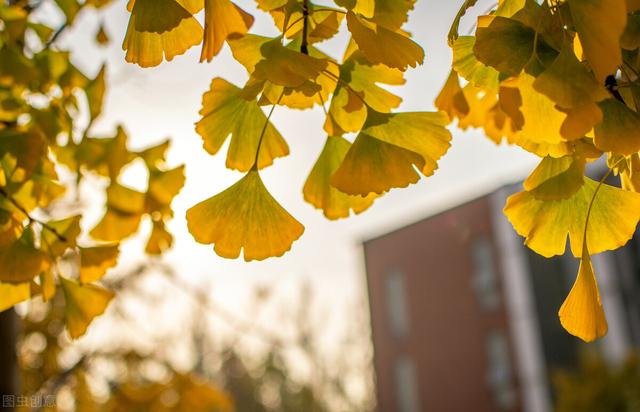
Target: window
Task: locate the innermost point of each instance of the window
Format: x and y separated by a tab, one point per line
406	385
499	370
397	305
484	277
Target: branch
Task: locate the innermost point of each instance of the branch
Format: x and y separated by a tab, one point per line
31	219
304	45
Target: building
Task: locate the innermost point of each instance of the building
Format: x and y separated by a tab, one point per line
464	316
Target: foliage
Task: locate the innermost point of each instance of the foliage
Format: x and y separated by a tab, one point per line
47	149
598	386
557	78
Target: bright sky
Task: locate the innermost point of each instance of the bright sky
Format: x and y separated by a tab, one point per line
157	103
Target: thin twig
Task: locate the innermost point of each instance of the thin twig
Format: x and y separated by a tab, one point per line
31	219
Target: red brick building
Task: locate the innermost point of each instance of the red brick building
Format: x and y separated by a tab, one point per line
464	317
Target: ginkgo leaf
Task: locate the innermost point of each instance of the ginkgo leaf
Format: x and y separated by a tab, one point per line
20	260
556	179
12	294
154	157
453	31
546	224
467	65
222	20
359	85
83	303
366	8
225	112
105	156
158	16
630	175
95	261
116	226
95	92
385	152
600	24
244	216
451	98
165	185
507	45
47	285
582	314
580	120
147	48
102	38
568	82
285	67
392	14
68	229
537	106
619	130
630	39
318	190
159	240
480	104
381	45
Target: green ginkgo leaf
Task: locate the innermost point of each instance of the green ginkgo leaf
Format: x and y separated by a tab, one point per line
546	223
385	152
225	112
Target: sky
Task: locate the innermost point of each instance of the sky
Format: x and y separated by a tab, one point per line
162	102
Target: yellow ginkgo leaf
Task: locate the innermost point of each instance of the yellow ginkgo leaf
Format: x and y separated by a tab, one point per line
159	240
147	48
244	216
392	14
20	260
600	24
12	294
467	65
222	20
556	178
535	107
68	228
318	190
546	223
102	38
630	176
95	91
385	152
95	261
105	156
381	45
47	285
165	185
83	303
582	314
580	120
116	226
158	16
225	112
451	98
286	67
619	131
480	105
364	7
359	84
568	83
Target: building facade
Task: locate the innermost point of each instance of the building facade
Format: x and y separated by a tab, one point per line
464	316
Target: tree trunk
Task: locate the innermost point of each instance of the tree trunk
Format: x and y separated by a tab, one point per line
9	377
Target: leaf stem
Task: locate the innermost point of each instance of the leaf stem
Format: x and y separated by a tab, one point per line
593	198
264	131
344	84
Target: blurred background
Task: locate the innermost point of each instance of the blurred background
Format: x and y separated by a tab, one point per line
426	302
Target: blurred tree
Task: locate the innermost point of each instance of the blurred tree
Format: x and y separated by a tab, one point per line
597	386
